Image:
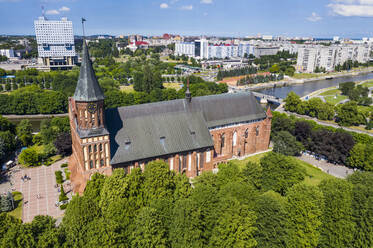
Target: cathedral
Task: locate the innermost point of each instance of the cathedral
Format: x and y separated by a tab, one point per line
192	135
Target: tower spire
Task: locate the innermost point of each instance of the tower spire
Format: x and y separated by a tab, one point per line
188	95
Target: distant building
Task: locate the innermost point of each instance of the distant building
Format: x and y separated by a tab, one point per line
265	51
55	39
328	57
9	53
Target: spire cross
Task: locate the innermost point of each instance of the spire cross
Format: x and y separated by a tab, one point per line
83	20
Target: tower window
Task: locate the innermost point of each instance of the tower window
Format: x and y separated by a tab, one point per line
100	147
95	148
91	164
90	148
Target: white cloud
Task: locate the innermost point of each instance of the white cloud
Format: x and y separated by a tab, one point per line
52	12
314	17
187	7
64	9
206	1
361	8
163	6
352	10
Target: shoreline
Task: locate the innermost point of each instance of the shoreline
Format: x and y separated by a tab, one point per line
37	116
293	81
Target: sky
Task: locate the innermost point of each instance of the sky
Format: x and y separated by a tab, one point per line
302	18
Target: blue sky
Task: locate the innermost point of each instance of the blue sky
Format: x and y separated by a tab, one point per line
317	18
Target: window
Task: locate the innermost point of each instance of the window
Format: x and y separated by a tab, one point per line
95	148
171	164
184	162
189	162
90	148
100	147
201	161
208	156
235	138
257	130
222	140
102	162
91	164
246	133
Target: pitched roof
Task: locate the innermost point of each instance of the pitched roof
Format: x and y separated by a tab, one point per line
156	129
87	88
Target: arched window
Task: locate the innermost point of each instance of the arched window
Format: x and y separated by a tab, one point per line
246	133
222	143
89	148
100	147
234	138
91	164
257	130
95	148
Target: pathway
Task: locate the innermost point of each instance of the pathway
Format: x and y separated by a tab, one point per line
339	171
42	183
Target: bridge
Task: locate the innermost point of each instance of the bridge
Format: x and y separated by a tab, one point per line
267	98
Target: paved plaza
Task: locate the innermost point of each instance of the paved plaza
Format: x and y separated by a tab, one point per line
39	191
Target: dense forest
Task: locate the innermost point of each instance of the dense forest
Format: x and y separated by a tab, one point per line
260	205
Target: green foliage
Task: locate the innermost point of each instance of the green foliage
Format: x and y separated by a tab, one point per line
280	173
24	132
59	178
62	196
361	157
349	115
236	72
29	157
337	226
286	144
7	202
304	208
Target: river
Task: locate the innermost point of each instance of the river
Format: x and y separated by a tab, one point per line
309	87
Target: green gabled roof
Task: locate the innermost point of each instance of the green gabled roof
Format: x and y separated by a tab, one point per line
87	88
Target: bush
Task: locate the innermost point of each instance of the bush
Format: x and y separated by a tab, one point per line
63	206
59	178
63	196
64	165
30	157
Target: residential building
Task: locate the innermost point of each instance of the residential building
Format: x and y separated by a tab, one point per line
55	40
9	53
193	135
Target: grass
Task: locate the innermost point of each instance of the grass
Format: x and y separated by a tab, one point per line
175	86
55	158
334	100
306	75
332	92
313	174
18	201
127	89
67	173
368	84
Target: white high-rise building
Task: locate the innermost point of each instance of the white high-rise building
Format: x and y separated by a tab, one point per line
55	39
310	57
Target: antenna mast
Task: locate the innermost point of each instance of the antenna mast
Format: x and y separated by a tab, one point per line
83	20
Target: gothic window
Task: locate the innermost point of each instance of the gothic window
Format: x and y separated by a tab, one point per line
91	164
95	148
102	162
100	147
257	130
222	140
234	138
201	160
184	162
246	133
89	148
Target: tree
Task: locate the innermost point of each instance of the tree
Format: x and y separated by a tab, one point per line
272	222
235	226
280	172
286	144
304	208
8	86
337	226
24	132
292	101
7	202
149	230
362	208
63	144
348	115
252	174
29	157
346	87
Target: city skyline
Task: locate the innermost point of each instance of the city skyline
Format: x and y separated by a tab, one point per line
319	18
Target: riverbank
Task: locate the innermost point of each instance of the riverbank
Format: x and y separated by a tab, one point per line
288	81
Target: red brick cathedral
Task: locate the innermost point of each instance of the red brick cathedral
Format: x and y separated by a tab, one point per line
192	134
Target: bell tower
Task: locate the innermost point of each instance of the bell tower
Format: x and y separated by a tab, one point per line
90	138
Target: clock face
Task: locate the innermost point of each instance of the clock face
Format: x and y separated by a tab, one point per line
92	108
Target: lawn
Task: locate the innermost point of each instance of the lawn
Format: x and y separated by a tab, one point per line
127	89
332	92
306	75
55	158
334	100
313	174
18	201
368	84
175	86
